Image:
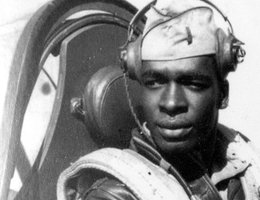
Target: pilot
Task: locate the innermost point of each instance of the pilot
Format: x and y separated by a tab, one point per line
181	151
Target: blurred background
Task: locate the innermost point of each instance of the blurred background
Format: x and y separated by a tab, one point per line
244	103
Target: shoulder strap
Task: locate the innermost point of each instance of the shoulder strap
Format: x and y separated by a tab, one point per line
146	180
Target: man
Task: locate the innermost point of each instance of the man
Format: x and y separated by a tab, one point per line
183	87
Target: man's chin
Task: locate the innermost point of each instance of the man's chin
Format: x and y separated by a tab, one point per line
176	147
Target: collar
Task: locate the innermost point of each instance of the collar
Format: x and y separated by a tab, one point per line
230	157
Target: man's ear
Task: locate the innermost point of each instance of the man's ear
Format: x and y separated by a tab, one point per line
224	95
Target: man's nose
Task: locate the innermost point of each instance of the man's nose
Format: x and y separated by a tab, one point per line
173	100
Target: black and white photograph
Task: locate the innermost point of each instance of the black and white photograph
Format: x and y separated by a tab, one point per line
129	100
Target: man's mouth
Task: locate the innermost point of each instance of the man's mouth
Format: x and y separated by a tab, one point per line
175	132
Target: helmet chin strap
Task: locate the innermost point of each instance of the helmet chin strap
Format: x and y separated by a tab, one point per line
137	121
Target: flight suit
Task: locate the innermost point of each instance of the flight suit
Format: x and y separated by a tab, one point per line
229	178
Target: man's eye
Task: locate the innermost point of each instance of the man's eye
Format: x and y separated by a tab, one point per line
153	83
196	84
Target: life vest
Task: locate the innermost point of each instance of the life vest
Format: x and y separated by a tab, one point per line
146	180
150	182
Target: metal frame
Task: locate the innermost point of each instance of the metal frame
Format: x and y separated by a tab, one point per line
28	59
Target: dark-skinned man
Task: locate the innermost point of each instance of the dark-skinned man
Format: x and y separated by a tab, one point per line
180	152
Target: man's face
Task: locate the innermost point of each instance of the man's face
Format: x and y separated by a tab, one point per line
180	101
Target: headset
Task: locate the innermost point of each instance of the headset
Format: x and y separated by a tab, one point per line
229	51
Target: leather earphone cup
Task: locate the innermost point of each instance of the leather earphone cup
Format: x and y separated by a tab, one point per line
134	58
224	54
